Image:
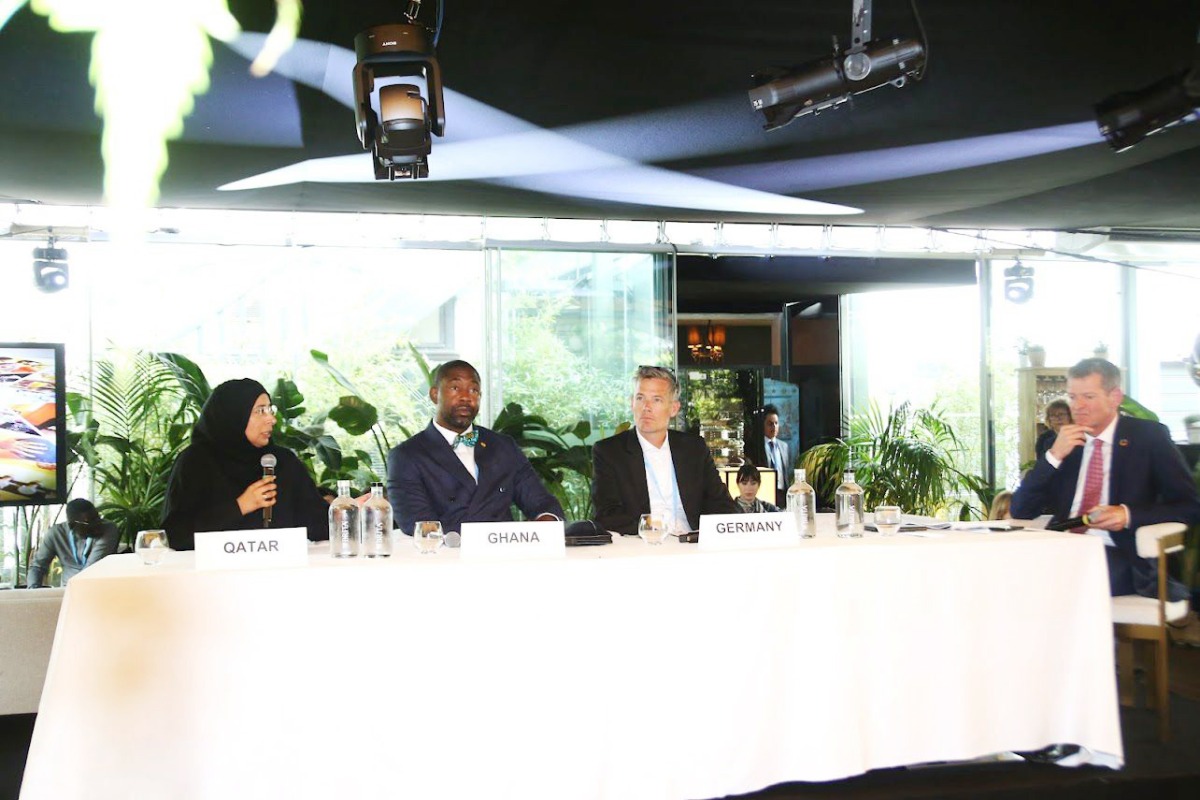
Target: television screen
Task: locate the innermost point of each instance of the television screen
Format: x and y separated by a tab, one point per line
33	431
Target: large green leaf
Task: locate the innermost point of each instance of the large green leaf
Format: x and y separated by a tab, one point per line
1133	408
288	400
191	378
343	381
354	415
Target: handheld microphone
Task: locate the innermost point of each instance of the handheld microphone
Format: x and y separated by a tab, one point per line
1068	524
268	462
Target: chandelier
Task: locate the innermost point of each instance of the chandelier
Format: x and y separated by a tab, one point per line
706	345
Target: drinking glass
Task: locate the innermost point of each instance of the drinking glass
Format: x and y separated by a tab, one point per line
428	536
151	546
652	528
887	520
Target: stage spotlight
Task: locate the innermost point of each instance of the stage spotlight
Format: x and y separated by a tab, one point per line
401	143
1128	117
50	268
1018	283
783	95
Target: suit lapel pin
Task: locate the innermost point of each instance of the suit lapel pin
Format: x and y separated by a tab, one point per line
1123	443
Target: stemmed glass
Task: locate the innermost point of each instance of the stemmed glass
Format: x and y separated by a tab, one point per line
888	520
652	528
428	536
151	546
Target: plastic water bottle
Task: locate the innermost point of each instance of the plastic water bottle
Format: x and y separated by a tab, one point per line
802	503
377	524
849	507
343	523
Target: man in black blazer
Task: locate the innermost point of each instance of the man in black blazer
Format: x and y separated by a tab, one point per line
1139	477
652	469
455	471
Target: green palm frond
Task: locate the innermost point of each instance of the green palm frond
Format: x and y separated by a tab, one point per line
904	456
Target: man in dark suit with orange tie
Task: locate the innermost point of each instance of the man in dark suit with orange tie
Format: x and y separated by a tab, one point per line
455	471
1121	471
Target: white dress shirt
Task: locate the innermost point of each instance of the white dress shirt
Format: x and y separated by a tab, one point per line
662	484
465	454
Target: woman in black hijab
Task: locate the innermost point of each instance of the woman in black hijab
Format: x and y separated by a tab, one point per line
217	483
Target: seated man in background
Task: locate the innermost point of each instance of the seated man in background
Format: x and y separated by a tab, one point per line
455	471
651	469
79	542
1122	472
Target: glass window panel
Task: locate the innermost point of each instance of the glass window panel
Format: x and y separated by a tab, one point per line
573	326
1167	329
259	312
921	347
1075	309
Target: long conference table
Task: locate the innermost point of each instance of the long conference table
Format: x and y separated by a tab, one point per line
621	671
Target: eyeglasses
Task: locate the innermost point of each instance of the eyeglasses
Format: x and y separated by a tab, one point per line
265	411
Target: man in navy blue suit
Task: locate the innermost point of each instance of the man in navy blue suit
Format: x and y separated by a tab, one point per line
1121	471
455	471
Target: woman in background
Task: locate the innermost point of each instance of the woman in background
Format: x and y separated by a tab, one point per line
748	482
1001	506
217	483
1058	413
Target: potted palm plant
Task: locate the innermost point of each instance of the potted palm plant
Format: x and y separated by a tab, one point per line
903	457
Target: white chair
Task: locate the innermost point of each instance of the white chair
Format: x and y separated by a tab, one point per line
1141	624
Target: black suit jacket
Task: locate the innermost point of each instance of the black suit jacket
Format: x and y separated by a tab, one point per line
427	481
1148	475
621	493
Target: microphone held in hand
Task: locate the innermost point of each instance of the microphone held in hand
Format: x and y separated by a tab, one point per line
1068	524
268	462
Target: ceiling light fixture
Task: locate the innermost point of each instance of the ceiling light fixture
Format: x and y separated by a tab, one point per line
1018	283
399	144
50	272
783	95
707	346
1127	118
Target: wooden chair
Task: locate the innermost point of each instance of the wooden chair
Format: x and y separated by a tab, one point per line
1141	625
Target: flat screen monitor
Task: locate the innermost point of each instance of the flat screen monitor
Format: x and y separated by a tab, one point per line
33	431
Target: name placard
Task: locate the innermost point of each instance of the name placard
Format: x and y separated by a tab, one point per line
738	531
495	540
258	548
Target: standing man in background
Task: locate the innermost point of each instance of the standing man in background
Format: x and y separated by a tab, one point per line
776	453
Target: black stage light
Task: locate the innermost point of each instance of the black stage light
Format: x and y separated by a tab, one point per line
783	95
1126	118
1018	283
401	143
50	271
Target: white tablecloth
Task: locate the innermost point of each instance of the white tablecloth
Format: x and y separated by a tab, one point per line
624	671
